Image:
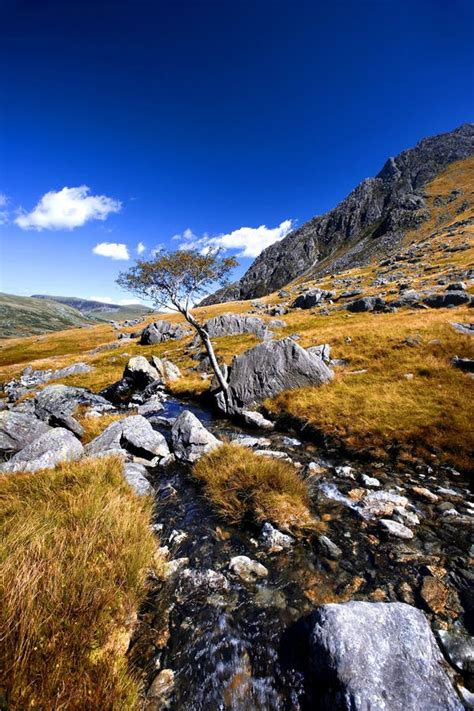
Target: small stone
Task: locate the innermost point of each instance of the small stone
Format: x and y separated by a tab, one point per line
328	548
345	471
459	649
393	528
273	539
247	569
160	691
425	493
439	597
369	481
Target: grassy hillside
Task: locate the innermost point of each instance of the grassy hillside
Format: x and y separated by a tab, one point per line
25	316
98	310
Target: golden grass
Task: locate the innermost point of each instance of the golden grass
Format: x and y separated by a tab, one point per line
382	411
245	486
75	549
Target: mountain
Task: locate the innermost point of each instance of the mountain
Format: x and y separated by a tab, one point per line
98	310
370	222
27	316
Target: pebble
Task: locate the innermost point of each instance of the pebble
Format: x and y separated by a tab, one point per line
399	530
370	482
247	569
329	549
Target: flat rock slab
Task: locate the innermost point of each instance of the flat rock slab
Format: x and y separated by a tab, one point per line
367	656
55	446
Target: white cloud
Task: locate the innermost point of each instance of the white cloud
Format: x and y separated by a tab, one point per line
66	209
140	248
120	302
250	241
4	215
113	250
3	199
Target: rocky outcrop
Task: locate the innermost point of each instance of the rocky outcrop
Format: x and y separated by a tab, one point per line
235	324
162	331
55	446
447	298
167	370
56	405
17	429
190	438
368	223
383	656
270	368
311	298
133	434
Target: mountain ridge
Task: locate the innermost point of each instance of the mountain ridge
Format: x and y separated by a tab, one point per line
370	221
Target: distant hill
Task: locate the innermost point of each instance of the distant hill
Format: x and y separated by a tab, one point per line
98	310
27	316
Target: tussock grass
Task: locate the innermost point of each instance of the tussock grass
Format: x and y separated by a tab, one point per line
245	486
94	426
75	549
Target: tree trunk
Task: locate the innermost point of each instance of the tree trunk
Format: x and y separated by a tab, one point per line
204	336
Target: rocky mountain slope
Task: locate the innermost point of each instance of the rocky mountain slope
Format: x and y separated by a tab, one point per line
99	310
370	222
26	316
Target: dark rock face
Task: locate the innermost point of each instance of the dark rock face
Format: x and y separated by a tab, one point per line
270	368
311	298
370	220
380	656
367	303
161	331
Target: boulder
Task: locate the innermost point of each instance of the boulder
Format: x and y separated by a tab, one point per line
377	656
162	331
17	429
396	529
366	303
311	298
234	325
270	368
135	474
140	372
134	434
58	400
256	419
166	369
152	407
49	449
190	438
447	298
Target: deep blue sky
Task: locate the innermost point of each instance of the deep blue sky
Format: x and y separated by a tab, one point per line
209	115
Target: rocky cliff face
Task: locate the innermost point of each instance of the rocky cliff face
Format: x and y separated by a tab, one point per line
369	222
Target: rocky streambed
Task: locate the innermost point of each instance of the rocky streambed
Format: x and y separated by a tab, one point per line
230	627
374	609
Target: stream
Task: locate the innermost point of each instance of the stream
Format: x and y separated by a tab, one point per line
234	645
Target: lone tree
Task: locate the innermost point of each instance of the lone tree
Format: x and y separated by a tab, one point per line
175	280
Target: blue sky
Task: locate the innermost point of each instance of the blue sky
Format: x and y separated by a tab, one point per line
202	118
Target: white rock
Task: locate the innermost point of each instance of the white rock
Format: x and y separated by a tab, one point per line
396	529
247	569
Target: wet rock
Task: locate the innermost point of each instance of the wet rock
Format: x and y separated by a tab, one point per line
202	584
256	419
377	655
167	370
396	529
247	569
135	474
151	407
160	692
439	597
274	540
345	471
366	303
275	454
174	566
17	429
328	548
381	503
134	434
270	368
459	650
49	449
447	298
140	372
190	438
370	482
162	331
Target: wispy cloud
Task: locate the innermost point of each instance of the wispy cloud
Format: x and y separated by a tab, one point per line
109	300
67	209
113	250
247	241
141	248
4	216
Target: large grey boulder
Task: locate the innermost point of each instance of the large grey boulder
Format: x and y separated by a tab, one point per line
311	298
190	439
17	429
30	378
235	324
56	405
270	368
447	298
366	303
162	331
133	434
55	446
135	474
167	370
367	656
140	372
